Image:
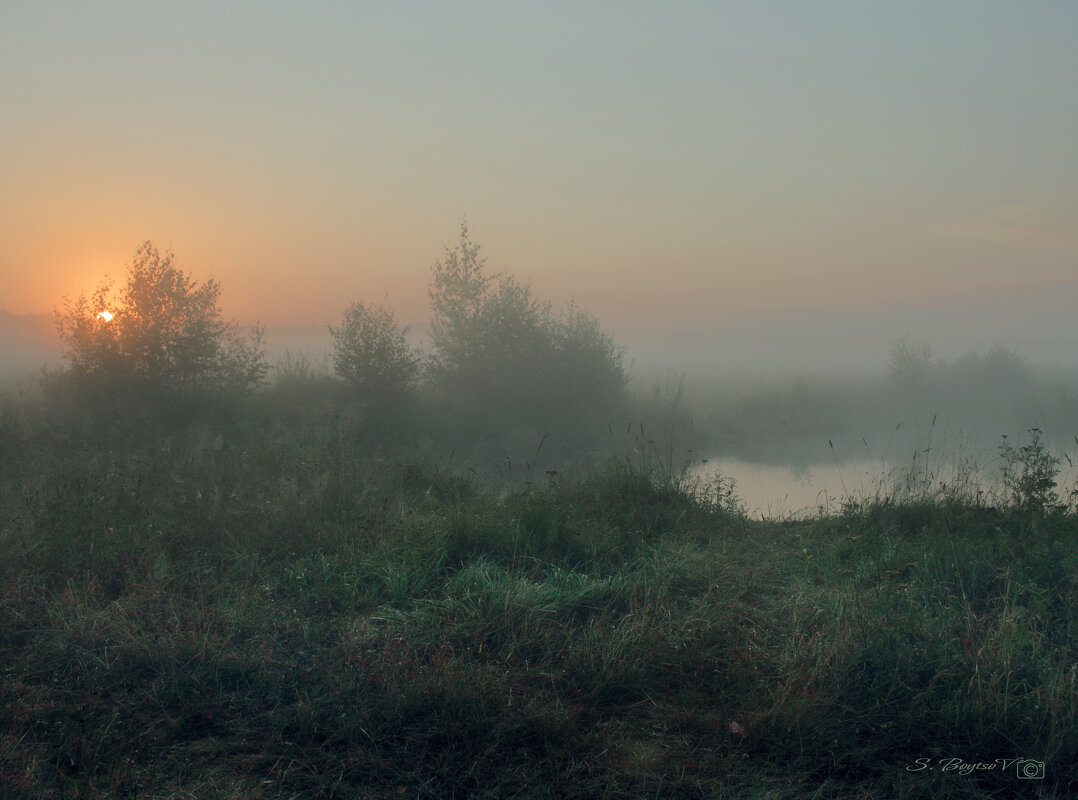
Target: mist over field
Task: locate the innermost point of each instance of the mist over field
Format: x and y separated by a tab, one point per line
239	560
797	410
583	401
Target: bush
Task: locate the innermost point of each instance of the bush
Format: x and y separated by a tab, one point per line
1030	474
372	354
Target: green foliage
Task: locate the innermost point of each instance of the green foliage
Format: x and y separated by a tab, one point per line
1030	473
264	609
590	365
165	332
372	354
497	345
458	287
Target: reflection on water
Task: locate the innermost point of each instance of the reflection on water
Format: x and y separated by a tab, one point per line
777	492
782	492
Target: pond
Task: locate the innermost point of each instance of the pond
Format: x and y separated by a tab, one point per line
774	491
779	492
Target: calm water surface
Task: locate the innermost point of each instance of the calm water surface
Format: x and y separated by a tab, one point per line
780	492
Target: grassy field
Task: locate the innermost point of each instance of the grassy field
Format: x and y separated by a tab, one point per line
265	602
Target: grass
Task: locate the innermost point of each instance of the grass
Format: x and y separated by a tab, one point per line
260	604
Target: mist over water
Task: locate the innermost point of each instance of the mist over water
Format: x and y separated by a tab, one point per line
502	484
804	425
799	423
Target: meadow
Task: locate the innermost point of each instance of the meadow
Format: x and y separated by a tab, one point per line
277	596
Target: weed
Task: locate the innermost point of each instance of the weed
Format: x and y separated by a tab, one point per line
1029	474
275	605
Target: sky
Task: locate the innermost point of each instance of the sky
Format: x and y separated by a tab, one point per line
680	169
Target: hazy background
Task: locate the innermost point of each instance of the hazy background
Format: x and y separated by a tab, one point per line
787	185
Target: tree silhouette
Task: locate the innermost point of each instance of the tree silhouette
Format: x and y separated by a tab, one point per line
163	330
458	290
372	354
909	364
496	344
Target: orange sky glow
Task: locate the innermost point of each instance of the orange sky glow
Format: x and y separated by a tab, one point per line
689	168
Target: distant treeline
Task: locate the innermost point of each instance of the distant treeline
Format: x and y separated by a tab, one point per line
980	394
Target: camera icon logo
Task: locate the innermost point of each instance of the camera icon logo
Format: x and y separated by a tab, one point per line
1030	769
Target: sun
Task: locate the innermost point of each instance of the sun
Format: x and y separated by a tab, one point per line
105	315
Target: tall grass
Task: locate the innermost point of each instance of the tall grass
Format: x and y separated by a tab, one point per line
274	605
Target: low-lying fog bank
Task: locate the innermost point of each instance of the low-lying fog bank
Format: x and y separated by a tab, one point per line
800	422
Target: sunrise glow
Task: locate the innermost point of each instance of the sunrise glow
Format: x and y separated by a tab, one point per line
483	370
701	171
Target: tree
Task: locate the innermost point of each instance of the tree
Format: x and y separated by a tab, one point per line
909	364
511	360
591	366
1003	366
495	343
162	330
371	352
457	292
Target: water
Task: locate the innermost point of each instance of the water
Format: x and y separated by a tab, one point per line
772	491
780	492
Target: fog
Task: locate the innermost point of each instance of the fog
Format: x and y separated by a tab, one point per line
801	412
27	343
805	421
